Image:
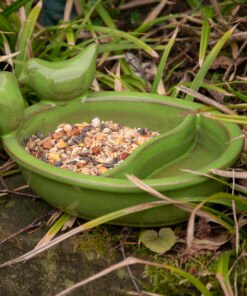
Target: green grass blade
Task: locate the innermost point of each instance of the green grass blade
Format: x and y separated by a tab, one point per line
222	274
9	173
194	4
54	229
145	26
105	16
86	18
242	96
162	63
196	84
193	280
238	119
127	36
14	6
25	37
5	25
131	261
204	41
108	47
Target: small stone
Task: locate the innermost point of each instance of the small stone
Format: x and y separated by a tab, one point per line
85	170
86	159
58	130
141	140
124	155
59	135
96	122
91	149
106	130
78	139
142	131
87	128
47	144
33	137
68	149
87	142
69	134
103	169
81	164
108	165
96	150
39	135
25	140
76	131
53	156
100	137
43	157
67	127
61	144
30	145
75	151
63	156
83	154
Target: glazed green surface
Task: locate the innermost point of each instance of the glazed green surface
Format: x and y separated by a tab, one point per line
11	103
185	142
61	81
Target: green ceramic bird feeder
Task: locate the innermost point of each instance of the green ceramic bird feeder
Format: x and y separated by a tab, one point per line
189	142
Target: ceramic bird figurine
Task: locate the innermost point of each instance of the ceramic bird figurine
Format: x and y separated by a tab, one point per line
61	81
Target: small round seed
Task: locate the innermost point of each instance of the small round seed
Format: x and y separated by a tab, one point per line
67	128
96	122
91	149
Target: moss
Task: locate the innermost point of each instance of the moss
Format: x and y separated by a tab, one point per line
203	267
164	282
96	243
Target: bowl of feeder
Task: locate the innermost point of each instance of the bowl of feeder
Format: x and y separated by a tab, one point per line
181	142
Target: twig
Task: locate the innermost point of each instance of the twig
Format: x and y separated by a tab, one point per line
206	100
33	224
129	270
230	174
8	191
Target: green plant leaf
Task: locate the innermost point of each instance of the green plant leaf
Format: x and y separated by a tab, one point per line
161	67
204	40
14	6
222	274
105	16
194	4
54	229
158	242
25	37
198	80
127	36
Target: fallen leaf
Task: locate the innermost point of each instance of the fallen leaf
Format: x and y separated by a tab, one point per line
158	242
211	243
221	62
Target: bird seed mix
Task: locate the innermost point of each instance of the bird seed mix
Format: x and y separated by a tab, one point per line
88	148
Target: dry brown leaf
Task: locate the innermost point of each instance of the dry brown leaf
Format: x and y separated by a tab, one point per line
117	82
69	223
155	12
242	78
206	100
68	9
230	174
8	56
209	243
95	85
54	217
136	3
221	62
